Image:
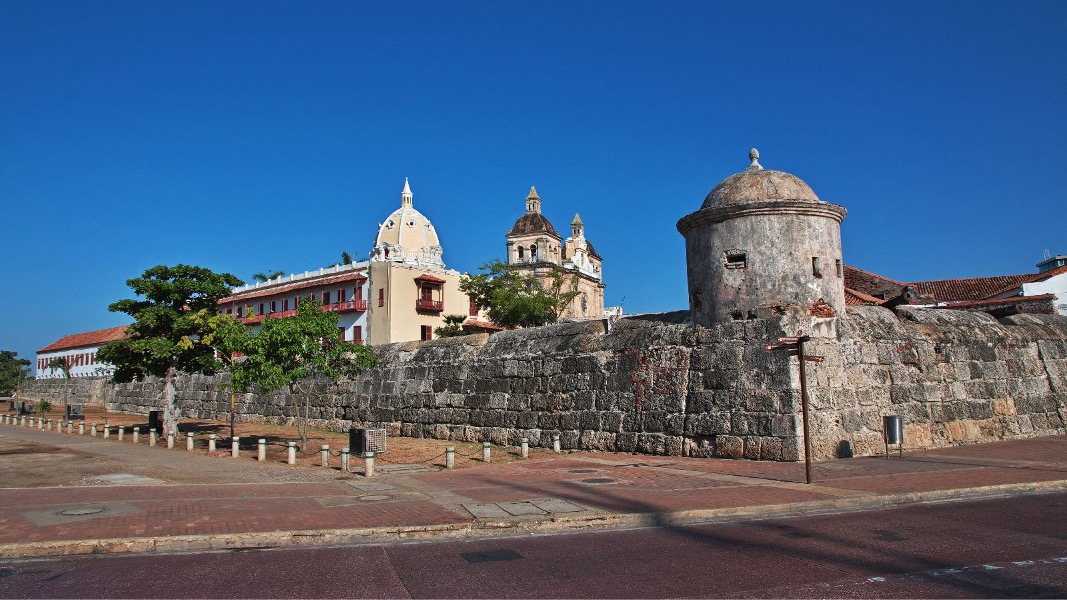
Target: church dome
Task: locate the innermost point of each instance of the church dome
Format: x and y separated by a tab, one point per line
407	236
533	222
757	184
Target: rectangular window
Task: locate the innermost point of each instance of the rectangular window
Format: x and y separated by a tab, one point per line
261	308
239	314
325	298
816	268
427	293
229	311
381	297
837	265
736	259
357	334
474	308
341	294
427	332
358	291
285	304
273	306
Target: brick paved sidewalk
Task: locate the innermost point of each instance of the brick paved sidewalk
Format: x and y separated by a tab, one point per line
136	497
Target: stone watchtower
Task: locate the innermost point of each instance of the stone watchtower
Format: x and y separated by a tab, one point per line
763	244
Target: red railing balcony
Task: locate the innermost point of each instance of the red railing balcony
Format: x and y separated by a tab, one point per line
359	305
431	305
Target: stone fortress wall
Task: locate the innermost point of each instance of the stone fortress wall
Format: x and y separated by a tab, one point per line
656	384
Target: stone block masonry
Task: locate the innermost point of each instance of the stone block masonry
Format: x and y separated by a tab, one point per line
659	385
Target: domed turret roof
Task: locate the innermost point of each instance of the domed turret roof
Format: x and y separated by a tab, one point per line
533	222
757	184
407	236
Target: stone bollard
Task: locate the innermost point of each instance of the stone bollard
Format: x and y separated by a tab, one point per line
5	419
152	436
40	423
291	458
344	460
450	458
211	442
107	432
22	420
122	431
368	464
324	452
170	440
93	432
485	451
524	447
190	441
70	427
49	425
81	428
262	450
235	446
555	442
136	435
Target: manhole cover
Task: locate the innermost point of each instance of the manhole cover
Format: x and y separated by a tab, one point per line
374	497
582	471
8	572
82	510
599	480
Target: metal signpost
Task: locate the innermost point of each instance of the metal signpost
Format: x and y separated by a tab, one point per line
794	346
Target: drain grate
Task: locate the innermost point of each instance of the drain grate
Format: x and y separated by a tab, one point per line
490	556
599	480
82	510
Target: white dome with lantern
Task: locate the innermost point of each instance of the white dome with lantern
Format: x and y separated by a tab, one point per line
407	236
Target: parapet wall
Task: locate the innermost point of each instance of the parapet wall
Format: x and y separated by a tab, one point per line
657	385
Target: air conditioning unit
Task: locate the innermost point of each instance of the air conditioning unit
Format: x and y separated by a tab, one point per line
361	441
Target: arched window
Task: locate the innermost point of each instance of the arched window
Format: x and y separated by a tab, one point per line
533	252
521	250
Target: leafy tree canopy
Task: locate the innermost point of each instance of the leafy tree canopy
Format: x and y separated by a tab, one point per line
12	370
516	299
168	297
453	326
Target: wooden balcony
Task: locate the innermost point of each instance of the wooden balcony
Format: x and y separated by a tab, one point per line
359	305
430	305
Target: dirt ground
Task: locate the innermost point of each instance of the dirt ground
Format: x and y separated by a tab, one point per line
399	450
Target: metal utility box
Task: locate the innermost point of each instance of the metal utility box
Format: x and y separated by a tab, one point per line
893	433
74	412
361	440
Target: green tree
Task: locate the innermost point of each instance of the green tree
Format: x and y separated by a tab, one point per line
13	371
453	326
65	364
346	258
167	299
517	299
228	339
286	352
265	277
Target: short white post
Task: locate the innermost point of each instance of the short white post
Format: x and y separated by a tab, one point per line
190	441
136	435
70	427
368	460
450	458
211	442
485	451
262	450
40	423
524	447
152	436
344	460
4	418
107	431
49	425
291	459
22	420
122	431
235	446
170	440
324	452
93	433
81	428
555	442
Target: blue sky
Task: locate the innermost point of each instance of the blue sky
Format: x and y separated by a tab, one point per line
245	136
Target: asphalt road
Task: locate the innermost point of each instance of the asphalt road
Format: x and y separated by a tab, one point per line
1010	547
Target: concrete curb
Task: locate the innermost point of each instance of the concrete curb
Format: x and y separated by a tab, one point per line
560	524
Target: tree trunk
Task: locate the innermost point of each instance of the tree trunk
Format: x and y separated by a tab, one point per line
170	401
